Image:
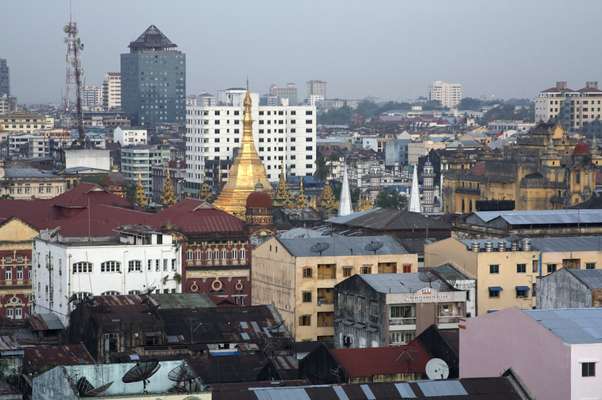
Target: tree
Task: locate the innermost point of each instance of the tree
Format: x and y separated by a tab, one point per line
321	168
139	197
168	198
391	199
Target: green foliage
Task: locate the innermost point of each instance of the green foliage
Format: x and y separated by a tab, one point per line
391	199
339	116
510	112
321	168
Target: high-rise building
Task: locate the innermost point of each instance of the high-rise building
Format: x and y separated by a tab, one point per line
448	94
137	163
288	92
111	91
91	97
316	88
574	109
153	80
4	78
282	134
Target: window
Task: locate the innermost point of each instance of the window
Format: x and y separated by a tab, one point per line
551	268
366	270
134	292
401	337
173	264
402	312
307	272
305	320
82	267
8	274
20	273
535	266
407	268
134	265
590	265
588	369
522	292
494	269
10	313
110	266
494	292
327	271
347	271
307	297
110	293
165	262
521	268
18	313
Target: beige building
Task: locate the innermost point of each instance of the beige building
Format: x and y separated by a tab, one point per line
24	183
506	270
574	108
111	91
298	276
24	122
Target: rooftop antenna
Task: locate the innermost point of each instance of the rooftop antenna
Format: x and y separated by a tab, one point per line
73	76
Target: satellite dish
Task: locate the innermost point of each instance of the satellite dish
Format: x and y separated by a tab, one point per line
436	368
374	246
319	247
141	372
184	376
86	389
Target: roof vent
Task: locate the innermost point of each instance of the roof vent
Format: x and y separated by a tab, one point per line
475	246
501	246
526	244
488	246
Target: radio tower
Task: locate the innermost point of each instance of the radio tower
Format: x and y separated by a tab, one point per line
73	81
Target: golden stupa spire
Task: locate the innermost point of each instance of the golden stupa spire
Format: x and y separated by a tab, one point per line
301	199
247	170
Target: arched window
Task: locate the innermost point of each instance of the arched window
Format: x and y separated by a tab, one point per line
234	254
224	254
209	254
82	267
189	254
110	266
242	254
82	295
198	254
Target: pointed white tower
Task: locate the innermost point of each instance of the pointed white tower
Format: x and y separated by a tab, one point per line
415	193
345	200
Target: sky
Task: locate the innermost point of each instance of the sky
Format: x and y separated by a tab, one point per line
390	49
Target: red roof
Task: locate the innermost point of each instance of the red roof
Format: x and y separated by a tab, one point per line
259	200
89	210
197	217
581	149
358	363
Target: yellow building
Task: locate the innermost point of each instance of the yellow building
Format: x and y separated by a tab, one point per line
298	275
506	270
247	173
16	239
545	169
25	122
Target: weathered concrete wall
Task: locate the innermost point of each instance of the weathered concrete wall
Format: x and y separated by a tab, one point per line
562	290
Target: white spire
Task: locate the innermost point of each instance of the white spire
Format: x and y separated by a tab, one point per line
415	193
345	200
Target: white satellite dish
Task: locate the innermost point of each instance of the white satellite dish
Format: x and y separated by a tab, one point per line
436	368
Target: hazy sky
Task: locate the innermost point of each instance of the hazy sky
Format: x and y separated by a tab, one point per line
390	49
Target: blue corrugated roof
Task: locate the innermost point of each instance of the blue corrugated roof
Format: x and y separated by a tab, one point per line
402	283
571	325
341	245
442	388
535	217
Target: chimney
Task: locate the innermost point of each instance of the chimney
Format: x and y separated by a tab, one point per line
561	85
591	85
514	245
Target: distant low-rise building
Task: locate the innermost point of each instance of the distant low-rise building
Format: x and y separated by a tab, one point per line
137	163
130	137
566	341
25	122
298	276
392	309
24	183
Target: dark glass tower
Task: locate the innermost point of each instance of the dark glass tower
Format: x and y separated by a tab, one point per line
153	80
4	78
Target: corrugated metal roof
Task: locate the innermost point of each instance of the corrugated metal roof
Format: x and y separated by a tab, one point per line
402	283
592	278
571	325
571	243
547	217
342	245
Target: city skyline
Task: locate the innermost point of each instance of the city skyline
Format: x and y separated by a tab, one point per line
398	50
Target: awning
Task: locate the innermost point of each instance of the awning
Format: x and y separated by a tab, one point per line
522	288
495	288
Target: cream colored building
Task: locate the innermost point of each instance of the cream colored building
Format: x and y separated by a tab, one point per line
298	276
24	183
24	122
506	270
575	108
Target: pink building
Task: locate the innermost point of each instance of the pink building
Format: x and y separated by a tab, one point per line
556	353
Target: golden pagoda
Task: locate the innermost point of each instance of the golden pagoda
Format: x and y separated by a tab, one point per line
246	172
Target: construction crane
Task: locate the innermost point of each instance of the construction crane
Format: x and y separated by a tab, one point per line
73	82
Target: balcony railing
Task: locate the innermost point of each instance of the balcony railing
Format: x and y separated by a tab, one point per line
448	319
402	321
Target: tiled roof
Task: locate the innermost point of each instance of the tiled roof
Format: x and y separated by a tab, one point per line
196	217
367	362
329	246
571	325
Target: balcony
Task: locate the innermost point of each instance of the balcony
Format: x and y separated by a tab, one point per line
402	321
448	319
325	296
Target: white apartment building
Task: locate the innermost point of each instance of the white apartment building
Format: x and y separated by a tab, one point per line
283	134
28	146
137	161
573	108
127	137
67	269
111	91
448	94
92	97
